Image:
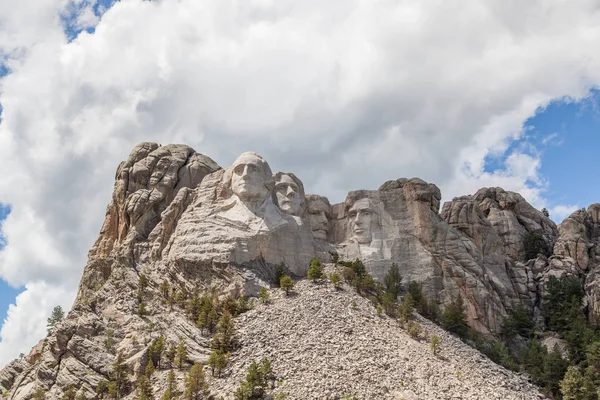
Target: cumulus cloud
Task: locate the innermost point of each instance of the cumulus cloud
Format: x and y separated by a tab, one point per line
347	94
560	212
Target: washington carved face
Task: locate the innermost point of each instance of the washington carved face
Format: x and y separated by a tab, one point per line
250	177
288	194
318	216
362	220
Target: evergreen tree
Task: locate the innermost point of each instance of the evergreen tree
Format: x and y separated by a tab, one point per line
555	367
389	304
534	244
144	389
217	361
407	307
118	377
286	284
181	357
335	280
142	309
57	315
518	322
315	271
393	281
165	289
82	396
255	384
435	344
264	295
171	392
571	386
156	350
102	389
170	354
414	288
150	368
69	394
39	394
545	212
195	384
533	361
225	340
454	318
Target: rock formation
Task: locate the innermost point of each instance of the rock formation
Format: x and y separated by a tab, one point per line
177	217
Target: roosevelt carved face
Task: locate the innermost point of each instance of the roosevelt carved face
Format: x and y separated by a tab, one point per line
288	194
318	216
250	177
363	221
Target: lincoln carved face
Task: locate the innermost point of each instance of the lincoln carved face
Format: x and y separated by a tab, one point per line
250	177
289	193
319	209
363	221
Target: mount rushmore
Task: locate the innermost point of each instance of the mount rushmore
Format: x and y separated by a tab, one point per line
176	215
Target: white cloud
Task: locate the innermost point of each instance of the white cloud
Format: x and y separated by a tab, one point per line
346	93
28	317
560	212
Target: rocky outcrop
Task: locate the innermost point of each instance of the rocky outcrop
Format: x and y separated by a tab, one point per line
177	217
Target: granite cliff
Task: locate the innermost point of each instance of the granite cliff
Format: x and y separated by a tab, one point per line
178	217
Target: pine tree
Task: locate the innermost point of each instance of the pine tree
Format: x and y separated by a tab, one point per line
571	386
142	309
555	367
533	360
82	396
217	361
286	283
335	280
407	307
102	389
170	354
182	354
225	339
156	350
264	296
454	318
195	384
393	281
39	394
144	389
414	288
315	271
69	394
118	377
435	344
165	289
171	392
150	368
57	315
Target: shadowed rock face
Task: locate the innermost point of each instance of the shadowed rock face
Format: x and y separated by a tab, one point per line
176	215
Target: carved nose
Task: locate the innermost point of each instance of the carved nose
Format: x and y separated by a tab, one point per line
290	191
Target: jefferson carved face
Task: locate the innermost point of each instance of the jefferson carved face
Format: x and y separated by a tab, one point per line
318	216
250	177
363	221
288	194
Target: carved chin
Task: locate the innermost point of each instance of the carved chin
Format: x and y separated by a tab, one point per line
362	238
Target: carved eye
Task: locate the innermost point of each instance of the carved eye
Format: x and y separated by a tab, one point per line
239	169
252	168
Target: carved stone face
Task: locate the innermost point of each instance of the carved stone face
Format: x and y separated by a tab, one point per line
250	177
318	217
363	221
288	195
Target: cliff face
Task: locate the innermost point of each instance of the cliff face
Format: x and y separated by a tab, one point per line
177	217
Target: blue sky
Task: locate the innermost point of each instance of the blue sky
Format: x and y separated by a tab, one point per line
566	136
7	293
